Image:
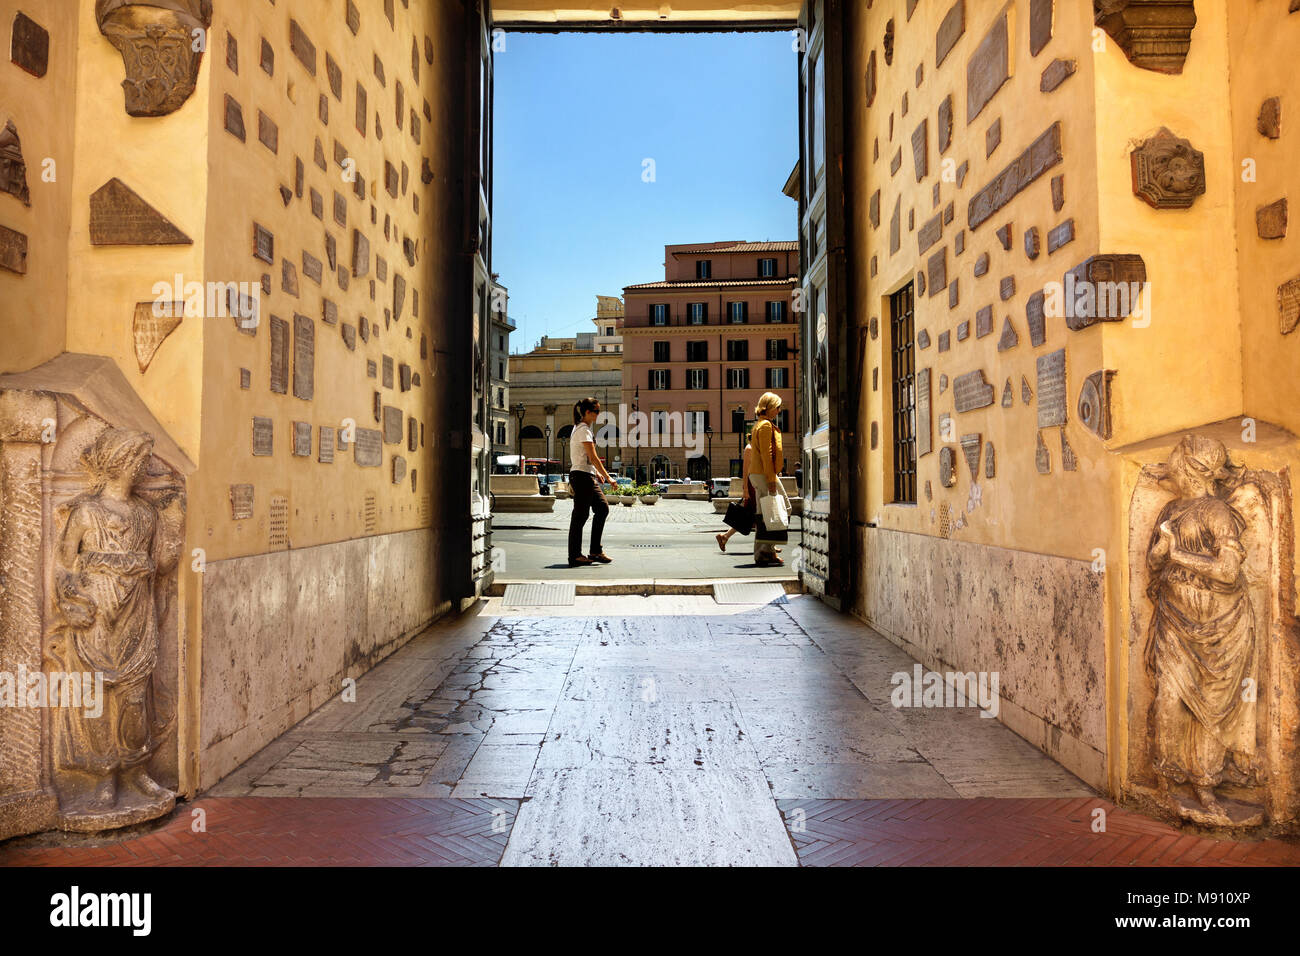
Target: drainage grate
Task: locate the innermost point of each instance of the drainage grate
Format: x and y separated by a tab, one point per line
648	546
749	592
538	594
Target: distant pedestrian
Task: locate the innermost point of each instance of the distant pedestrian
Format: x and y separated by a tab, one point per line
762	474
586	476
746	500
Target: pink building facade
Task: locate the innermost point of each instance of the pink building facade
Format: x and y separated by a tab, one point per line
701	346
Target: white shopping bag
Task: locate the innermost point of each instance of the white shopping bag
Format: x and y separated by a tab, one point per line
775	516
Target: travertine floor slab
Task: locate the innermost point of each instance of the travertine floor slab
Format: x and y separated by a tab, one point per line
635	735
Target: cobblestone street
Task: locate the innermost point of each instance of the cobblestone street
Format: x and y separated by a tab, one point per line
647	730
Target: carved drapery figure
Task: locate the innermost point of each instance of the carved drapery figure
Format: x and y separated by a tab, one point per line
1201	644
113	546
162	44
13	169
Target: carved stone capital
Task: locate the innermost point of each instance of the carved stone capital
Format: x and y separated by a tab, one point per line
1154	34
162	44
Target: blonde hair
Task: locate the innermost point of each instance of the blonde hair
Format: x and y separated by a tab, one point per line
766	401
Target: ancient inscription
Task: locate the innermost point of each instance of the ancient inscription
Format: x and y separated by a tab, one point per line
312	267
1007	287
1270	220
360	254
288	277
993	137
1040	25
896	163
947	466
1051	389
267	132
302	439
1008	395
923	339
936	268
1035	318
1031	242
304	357
990	468
1004	236
245	378
1026	393
378	402
1069	461
970	448
981	264
29	48
368	448
235	119
331	251
349	333
1058	193
263	436
959	242
150	325
895	226
984	322
988	69
1009	338
1288	305
361	110
1060	236
953	296
950	30
1042	155
949	213
279	355
404	377
353	17
931	231
412	435
318	208
241	502
944	124
920	150
302	47
119	217
13	250
399	294
278	522
1269	121
1102	288
945	341
388	371
970	391
263	244
325	445
963	330
399	469
1042	457
1057	72
873	210
962	170
334	74
267	61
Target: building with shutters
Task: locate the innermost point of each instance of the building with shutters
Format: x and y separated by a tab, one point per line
700	347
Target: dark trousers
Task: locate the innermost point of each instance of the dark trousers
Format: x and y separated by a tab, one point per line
588	499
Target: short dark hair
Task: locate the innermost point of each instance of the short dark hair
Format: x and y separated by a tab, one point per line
589	404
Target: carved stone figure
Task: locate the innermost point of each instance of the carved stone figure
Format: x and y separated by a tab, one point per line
1167	172
162	43
1201	652
113	546
13	169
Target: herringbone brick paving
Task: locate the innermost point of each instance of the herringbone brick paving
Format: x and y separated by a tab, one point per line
310	831
257	831
1005	832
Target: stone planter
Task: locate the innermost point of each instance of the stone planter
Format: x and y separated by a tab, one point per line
628	500
649	499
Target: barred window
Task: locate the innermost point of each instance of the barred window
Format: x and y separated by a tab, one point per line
903	373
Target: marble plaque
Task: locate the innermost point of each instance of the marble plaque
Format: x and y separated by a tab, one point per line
349	333
949	211
1058	192
263	435
873	210
302	47
360	254
267	61
895	226
970	447
318	156
13	250
391	181
970	391
29	47
1069	461
947	466
920	150
312	267
1026	393
148	329
325	447
331	251
412	435
1271	220
372	370
241	502
399	469
936	269
1034	316
245	378
1044	153
340	210
981	264
988	68
1114	280
1060	235
993	137
235	119
896	163
334	74
1288	305
302	439
1269	121
119	217
1042	457
392	425
952	294
329	312
1004	236
304	357
379	406
279	355
368	449
1007	287
268	134
923	339
869	79
923	419
1009	338
288	277
361	117
990	468
1057	72
404	377
381	267
963	330
1008	395
1051	389
353	17
958	243
931	231
399	294
1031	242
945	341
950	31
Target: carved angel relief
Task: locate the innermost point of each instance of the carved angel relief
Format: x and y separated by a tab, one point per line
162	44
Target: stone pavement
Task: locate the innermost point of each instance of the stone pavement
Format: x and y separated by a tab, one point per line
668	540
646	730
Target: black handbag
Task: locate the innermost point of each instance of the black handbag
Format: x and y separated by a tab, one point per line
739	517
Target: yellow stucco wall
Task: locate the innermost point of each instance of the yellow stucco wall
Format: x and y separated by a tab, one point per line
42	108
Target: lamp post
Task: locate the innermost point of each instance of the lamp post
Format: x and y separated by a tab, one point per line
708	430
520	411
548	445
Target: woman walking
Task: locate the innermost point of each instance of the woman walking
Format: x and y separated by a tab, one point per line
586	476
746	500
763	475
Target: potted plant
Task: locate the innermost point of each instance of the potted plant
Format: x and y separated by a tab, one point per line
648	494
628	497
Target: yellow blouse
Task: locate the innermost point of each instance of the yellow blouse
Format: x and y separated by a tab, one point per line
768	454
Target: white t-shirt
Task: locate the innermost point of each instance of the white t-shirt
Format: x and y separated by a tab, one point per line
578	451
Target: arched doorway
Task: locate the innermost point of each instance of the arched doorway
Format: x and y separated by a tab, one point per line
697	469
532	441
660	467
563	436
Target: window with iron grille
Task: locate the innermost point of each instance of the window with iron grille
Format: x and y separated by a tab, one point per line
697	313
776	312
659	378
697	351
697	378
737	378
662	352
777	350
737	350
903	374
658	315
738	312
767	268
704	268
776	378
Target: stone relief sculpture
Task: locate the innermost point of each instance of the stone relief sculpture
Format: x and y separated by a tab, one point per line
13	168
113	546
1153	35
1168	172
1209	568
162	44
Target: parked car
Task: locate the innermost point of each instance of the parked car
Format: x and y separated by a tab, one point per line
624	483
663	483
719	487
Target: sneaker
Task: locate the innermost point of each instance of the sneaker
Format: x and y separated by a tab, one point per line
603	558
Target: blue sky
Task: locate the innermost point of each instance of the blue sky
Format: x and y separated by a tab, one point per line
576	115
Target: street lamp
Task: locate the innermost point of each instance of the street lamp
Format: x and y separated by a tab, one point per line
520	411
708	430
548	446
